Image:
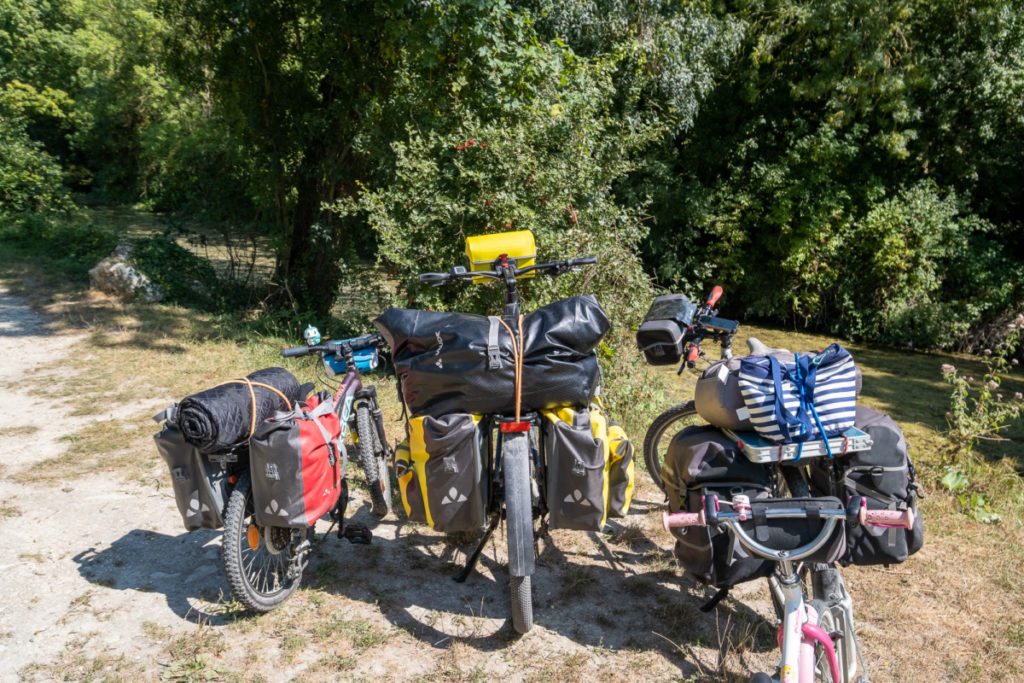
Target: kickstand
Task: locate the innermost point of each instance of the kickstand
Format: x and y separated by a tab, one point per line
471	562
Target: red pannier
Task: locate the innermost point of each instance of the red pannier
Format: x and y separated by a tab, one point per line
297	461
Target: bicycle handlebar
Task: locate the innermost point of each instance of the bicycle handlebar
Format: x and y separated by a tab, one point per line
554	269
903	519
856	512
336	347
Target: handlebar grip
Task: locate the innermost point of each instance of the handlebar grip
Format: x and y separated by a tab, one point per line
677	519
582	261
716	294
887	518
431	278
295	351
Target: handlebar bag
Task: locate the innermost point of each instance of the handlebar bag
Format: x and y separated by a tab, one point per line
441	473
660	335
884	475
576	446
296	462
702	461
201	487
813	397
790	534
463	363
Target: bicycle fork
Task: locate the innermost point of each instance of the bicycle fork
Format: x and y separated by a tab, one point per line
799	633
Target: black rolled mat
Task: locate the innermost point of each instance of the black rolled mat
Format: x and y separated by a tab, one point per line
219	418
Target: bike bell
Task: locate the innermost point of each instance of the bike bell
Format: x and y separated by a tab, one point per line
311	335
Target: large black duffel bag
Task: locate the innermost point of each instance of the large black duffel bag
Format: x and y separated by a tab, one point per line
461	362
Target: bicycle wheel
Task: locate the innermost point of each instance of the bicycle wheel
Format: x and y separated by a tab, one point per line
830	624
519	528
374	461
261	563
660	433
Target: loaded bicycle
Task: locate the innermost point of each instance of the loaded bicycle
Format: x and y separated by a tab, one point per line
758	486
504	424
519	473
263	562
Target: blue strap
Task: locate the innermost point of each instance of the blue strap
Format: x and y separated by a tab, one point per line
786	420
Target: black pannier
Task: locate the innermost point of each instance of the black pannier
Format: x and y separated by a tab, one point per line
884	476
201	486
701	461
462	362
660	335
221	418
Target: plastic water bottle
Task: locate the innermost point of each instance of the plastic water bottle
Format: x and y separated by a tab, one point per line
311	335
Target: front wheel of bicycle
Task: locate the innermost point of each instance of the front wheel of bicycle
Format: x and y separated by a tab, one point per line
263	564
519	528
660	433
831	624
374	461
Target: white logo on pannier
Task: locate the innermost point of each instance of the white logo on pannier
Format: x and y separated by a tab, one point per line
195	506
454	497
577	497
275	509
271	471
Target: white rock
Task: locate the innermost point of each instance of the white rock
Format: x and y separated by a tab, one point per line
114	275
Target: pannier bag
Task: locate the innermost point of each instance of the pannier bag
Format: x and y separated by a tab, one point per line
621	471
441	474
576	443
660	335
200	486
810	398
885	477
702	461
297	461
461	362
225	416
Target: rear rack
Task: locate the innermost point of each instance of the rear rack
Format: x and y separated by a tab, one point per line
760	450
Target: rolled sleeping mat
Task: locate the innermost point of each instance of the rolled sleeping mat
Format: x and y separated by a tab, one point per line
222	417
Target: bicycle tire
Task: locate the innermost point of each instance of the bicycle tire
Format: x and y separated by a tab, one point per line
259	579
519	528
829	624
373	461
666	425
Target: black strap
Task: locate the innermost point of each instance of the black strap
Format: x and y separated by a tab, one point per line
760	514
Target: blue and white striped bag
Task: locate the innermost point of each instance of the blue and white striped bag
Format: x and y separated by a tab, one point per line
800	401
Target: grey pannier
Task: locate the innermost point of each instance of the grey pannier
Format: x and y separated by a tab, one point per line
201	486
441	473
576	470
884	476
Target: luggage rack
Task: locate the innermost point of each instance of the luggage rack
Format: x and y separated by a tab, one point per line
761	450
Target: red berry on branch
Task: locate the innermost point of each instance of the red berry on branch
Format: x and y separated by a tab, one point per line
484	145
508	225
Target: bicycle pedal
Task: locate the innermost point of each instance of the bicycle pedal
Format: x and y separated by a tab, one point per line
357	533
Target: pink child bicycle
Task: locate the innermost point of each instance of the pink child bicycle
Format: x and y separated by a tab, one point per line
816	636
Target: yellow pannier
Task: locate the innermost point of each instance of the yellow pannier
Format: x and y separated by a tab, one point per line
482	250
